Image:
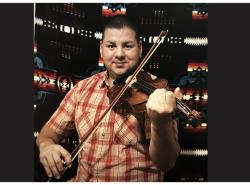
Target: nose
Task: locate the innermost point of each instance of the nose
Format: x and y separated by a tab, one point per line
119	53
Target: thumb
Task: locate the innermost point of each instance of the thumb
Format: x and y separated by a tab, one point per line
178	94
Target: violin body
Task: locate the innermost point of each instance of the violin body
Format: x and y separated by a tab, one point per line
135	99
136	96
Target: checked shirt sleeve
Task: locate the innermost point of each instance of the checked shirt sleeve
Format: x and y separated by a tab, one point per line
63	118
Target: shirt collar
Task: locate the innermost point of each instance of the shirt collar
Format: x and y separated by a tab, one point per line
105	80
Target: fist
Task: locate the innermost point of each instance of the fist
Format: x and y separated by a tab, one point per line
161	105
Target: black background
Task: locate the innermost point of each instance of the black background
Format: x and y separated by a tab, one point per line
228	92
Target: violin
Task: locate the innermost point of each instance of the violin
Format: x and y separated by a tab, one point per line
135	97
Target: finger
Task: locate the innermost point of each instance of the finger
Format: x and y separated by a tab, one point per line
53	167
66	157
46	167
170	102
58	162
170	96
178	93
160	97
149	102
156	99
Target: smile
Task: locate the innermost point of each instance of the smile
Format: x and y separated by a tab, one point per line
119	64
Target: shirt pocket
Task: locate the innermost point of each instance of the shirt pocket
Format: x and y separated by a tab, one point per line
127	131
84	121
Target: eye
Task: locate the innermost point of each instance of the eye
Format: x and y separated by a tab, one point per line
128	46
110	46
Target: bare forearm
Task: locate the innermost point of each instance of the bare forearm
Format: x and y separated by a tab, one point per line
46	137
43	142
164	147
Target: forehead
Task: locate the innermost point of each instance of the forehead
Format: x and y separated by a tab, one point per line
119	34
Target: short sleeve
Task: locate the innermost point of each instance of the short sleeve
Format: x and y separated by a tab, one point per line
62	121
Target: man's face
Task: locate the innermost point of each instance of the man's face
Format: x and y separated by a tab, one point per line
120	51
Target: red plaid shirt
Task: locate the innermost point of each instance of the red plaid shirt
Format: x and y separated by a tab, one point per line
116	151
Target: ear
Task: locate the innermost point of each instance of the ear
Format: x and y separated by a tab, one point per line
100	49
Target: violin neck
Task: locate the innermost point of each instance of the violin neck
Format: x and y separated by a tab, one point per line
143	86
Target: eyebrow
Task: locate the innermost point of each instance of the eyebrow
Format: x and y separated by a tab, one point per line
111	42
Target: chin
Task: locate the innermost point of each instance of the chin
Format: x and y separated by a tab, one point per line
119	73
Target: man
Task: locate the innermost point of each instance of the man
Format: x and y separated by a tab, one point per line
116	151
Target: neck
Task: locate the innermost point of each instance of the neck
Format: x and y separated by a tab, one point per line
110	82
110	79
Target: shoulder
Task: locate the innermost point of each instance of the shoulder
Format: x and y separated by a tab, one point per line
97	78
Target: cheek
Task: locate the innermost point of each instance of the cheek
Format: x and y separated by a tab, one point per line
106	55
134	57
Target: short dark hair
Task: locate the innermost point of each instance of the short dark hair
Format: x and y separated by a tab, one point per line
121	21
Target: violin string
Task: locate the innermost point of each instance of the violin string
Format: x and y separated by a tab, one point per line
146	85
139	86
145	88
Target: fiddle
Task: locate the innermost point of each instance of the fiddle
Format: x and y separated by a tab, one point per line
135	98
